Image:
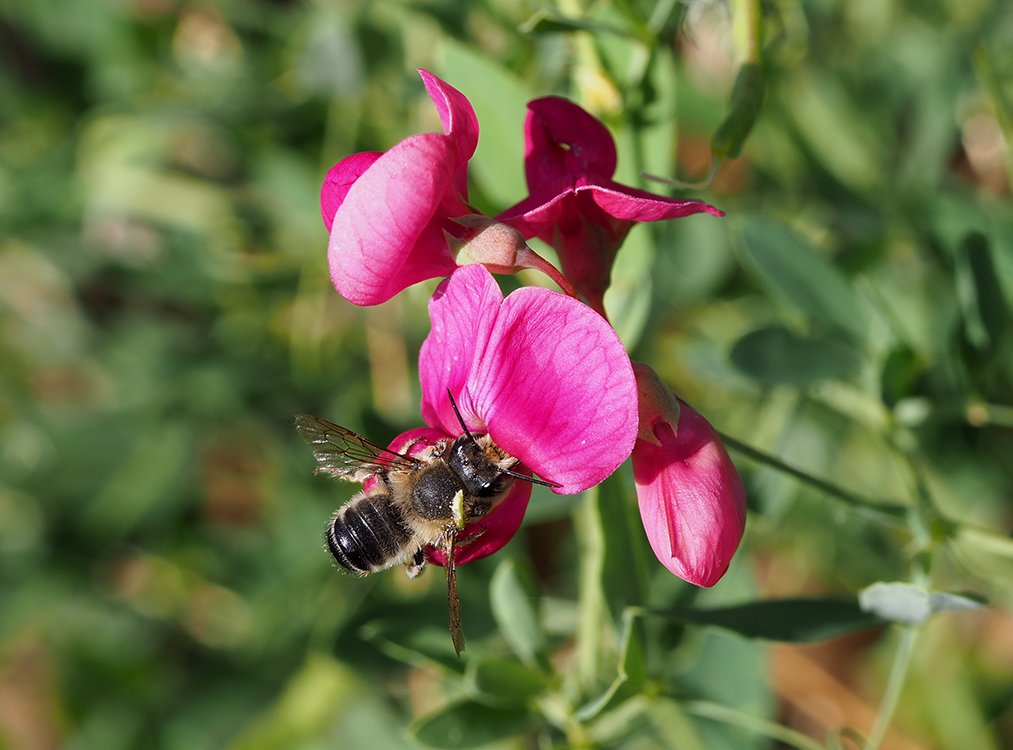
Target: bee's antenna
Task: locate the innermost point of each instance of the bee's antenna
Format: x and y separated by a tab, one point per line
527	478
508	472
460	419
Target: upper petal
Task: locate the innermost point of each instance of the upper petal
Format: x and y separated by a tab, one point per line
631	204
456	114
563	143
463	311
338	181
556	389
691	498
386	218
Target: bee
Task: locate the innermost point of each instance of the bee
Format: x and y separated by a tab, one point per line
416	501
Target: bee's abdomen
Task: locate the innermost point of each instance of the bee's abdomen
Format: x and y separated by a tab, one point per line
368	535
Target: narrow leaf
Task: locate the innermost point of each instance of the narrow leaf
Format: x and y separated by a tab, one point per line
799	275
469	724
505	682
744	107
798	620
775	355
513	600
986	313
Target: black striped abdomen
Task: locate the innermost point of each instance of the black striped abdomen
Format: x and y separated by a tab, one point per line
368	535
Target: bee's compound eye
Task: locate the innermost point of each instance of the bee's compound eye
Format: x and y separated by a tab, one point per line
496	487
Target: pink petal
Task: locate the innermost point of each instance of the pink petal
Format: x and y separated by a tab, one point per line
564	142
543	374
533	217
691	498
456	114
556	389
338	181
463	310
386	233
631	204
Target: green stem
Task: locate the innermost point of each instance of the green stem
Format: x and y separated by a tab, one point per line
747	30
891	698
717	712
889	512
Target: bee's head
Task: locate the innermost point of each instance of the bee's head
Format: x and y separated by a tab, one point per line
489	464
479	466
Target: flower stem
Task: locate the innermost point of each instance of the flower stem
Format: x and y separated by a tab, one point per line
891	698
528	258
890	512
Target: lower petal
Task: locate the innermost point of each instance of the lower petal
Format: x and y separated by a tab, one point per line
691	499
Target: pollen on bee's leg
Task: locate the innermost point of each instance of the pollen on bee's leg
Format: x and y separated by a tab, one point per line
457	509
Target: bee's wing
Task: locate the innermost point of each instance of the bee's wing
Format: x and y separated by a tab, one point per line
348	455
453	601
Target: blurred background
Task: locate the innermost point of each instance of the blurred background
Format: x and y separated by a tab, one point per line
165	310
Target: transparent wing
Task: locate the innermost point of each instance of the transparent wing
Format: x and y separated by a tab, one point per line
348	455
453	601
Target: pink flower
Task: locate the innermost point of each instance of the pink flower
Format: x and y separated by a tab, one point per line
400	217
691	498
387	212
574	205
544	375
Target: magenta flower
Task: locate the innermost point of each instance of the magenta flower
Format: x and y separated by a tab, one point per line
400	217
691	498
387	212
574	205
544	375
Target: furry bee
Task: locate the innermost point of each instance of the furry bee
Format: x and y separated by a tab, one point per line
416	502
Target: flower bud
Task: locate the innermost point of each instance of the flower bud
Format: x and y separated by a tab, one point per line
690	495
497	246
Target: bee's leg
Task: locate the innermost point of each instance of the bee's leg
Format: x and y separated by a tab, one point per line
418	563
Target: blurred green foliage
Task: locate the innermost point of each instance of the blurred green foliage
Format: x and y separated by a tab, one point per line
165	309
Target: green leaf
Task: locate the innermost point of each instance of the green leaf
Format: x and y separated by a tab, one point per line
513	599
505	682
985	553
549	22
744	107
632	669
910	604
986	314
775	355
468	724
414	645
799	275
797	620
623	574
